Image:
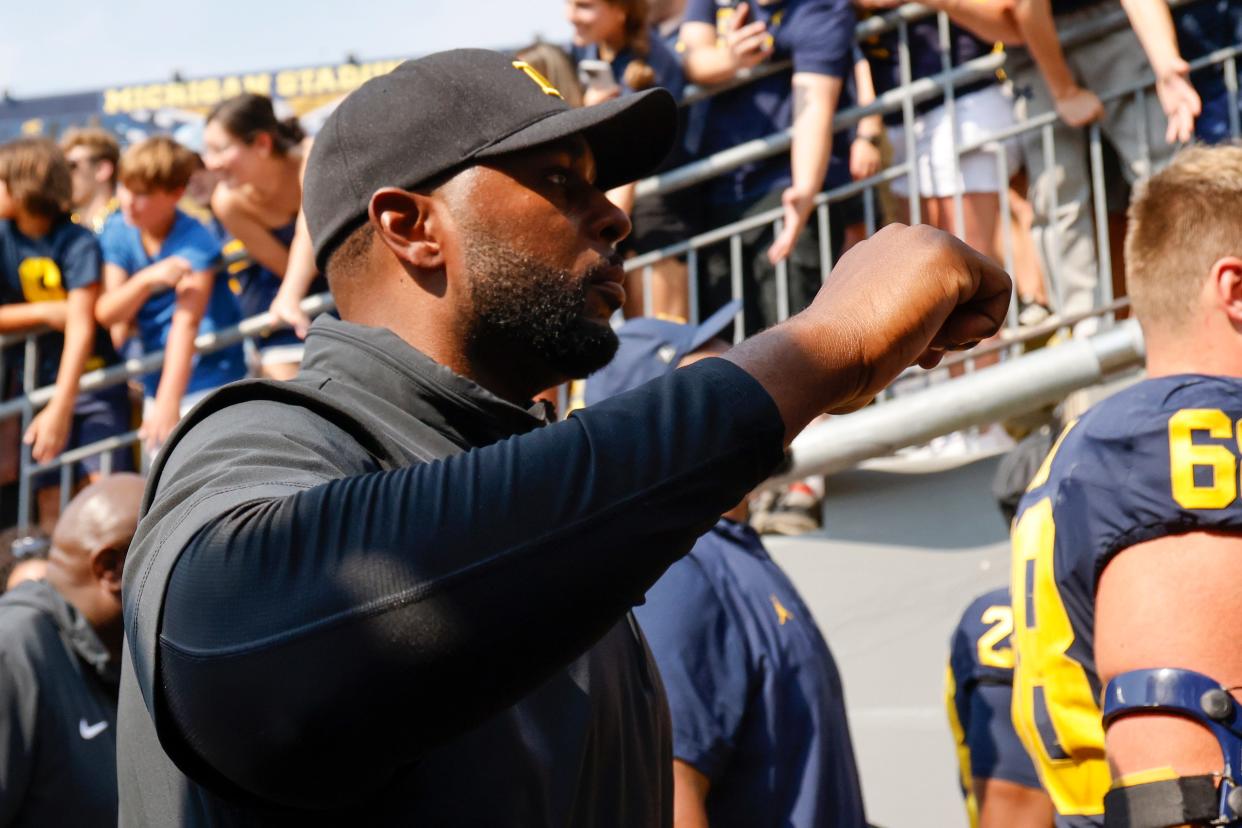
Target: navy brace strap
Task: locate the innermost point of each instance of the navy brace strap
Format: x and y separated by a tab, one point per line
1178	801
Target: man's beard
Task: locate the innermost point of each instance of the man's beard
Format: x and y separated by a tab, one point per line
521	305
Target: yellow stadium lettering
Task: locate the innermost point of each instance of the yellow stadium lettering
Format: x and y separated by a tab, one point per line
116	100
1055	713
286	84
348	76
990	655
177	94
41	281
533	73
325	82
258	84
230	87
209	92
1185	456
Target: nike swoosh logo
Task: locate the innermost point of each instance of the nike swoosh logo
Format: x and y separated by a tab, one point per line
89	732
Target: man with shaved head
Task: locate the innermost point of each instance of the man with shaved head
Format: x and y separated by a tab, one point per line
60	642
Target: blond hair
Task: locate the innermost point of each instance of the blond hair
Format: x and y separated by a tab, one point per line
1182	220
158	163
36	175
101	144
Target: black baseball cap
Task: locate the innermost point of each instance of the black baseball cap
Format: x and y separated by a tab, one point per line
442	112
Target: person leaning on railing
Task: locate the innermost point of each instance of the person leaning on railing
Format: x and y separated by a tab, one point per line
980	109
159	273
721	39
257	201
1070	82
50	278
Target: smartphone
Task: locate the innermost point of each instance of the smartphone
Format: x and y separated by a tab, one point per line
597	75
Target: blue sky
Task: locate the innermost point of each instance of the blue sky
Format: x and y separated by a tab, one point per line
75	45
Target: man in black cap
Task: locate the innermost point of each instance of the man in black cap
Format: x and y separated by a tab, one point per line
60	643
381	593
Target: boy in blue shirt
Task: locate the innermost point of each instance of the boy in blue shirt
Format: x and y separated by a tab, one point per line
159	273
49	277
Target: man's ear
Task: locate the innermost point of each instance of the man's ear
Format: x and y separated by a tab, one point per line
404	224
107	564
1226	280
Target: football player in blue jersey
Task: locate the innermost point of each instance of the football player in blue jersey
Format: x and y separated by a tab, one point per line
998	780
1127	547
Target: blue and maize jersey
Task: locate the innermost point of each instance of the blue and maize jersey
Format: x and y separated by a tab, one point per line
45	270
754	694
122	246
818	37
1159	458
978	697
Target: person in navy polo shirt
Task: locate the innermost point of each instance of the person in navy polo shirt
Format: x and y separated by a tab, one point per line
721	38
158	272
760	735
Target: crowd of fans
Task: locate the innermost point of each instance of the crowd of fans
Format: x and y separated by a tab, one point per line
109	252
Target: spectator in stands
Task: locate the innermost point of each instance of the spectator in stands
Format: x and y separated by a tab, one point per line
159	271
50	278
980	109
721	39
60	644
666	16
760	735
1203	27
258	199
620	34
1066	81
93	156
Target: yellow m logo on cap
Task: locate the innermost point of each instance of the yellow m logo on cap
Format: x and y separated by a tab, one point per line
533	74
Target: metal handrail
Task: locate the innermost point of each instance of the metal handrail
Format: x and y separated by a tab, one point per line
896	171
260	324
921	90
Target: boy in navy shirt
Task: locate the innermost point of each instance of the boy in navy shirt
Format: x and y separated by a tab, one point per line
49	277
760	735
159	272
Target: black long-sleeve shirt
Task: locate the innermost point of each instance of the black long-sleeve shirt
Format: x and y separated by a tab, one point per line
418	612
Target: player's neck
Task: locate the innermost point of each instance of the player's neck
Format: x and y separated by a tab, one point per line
1222	357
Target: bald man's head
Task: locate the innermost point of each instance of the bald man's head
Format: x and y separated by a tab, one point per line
89	546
